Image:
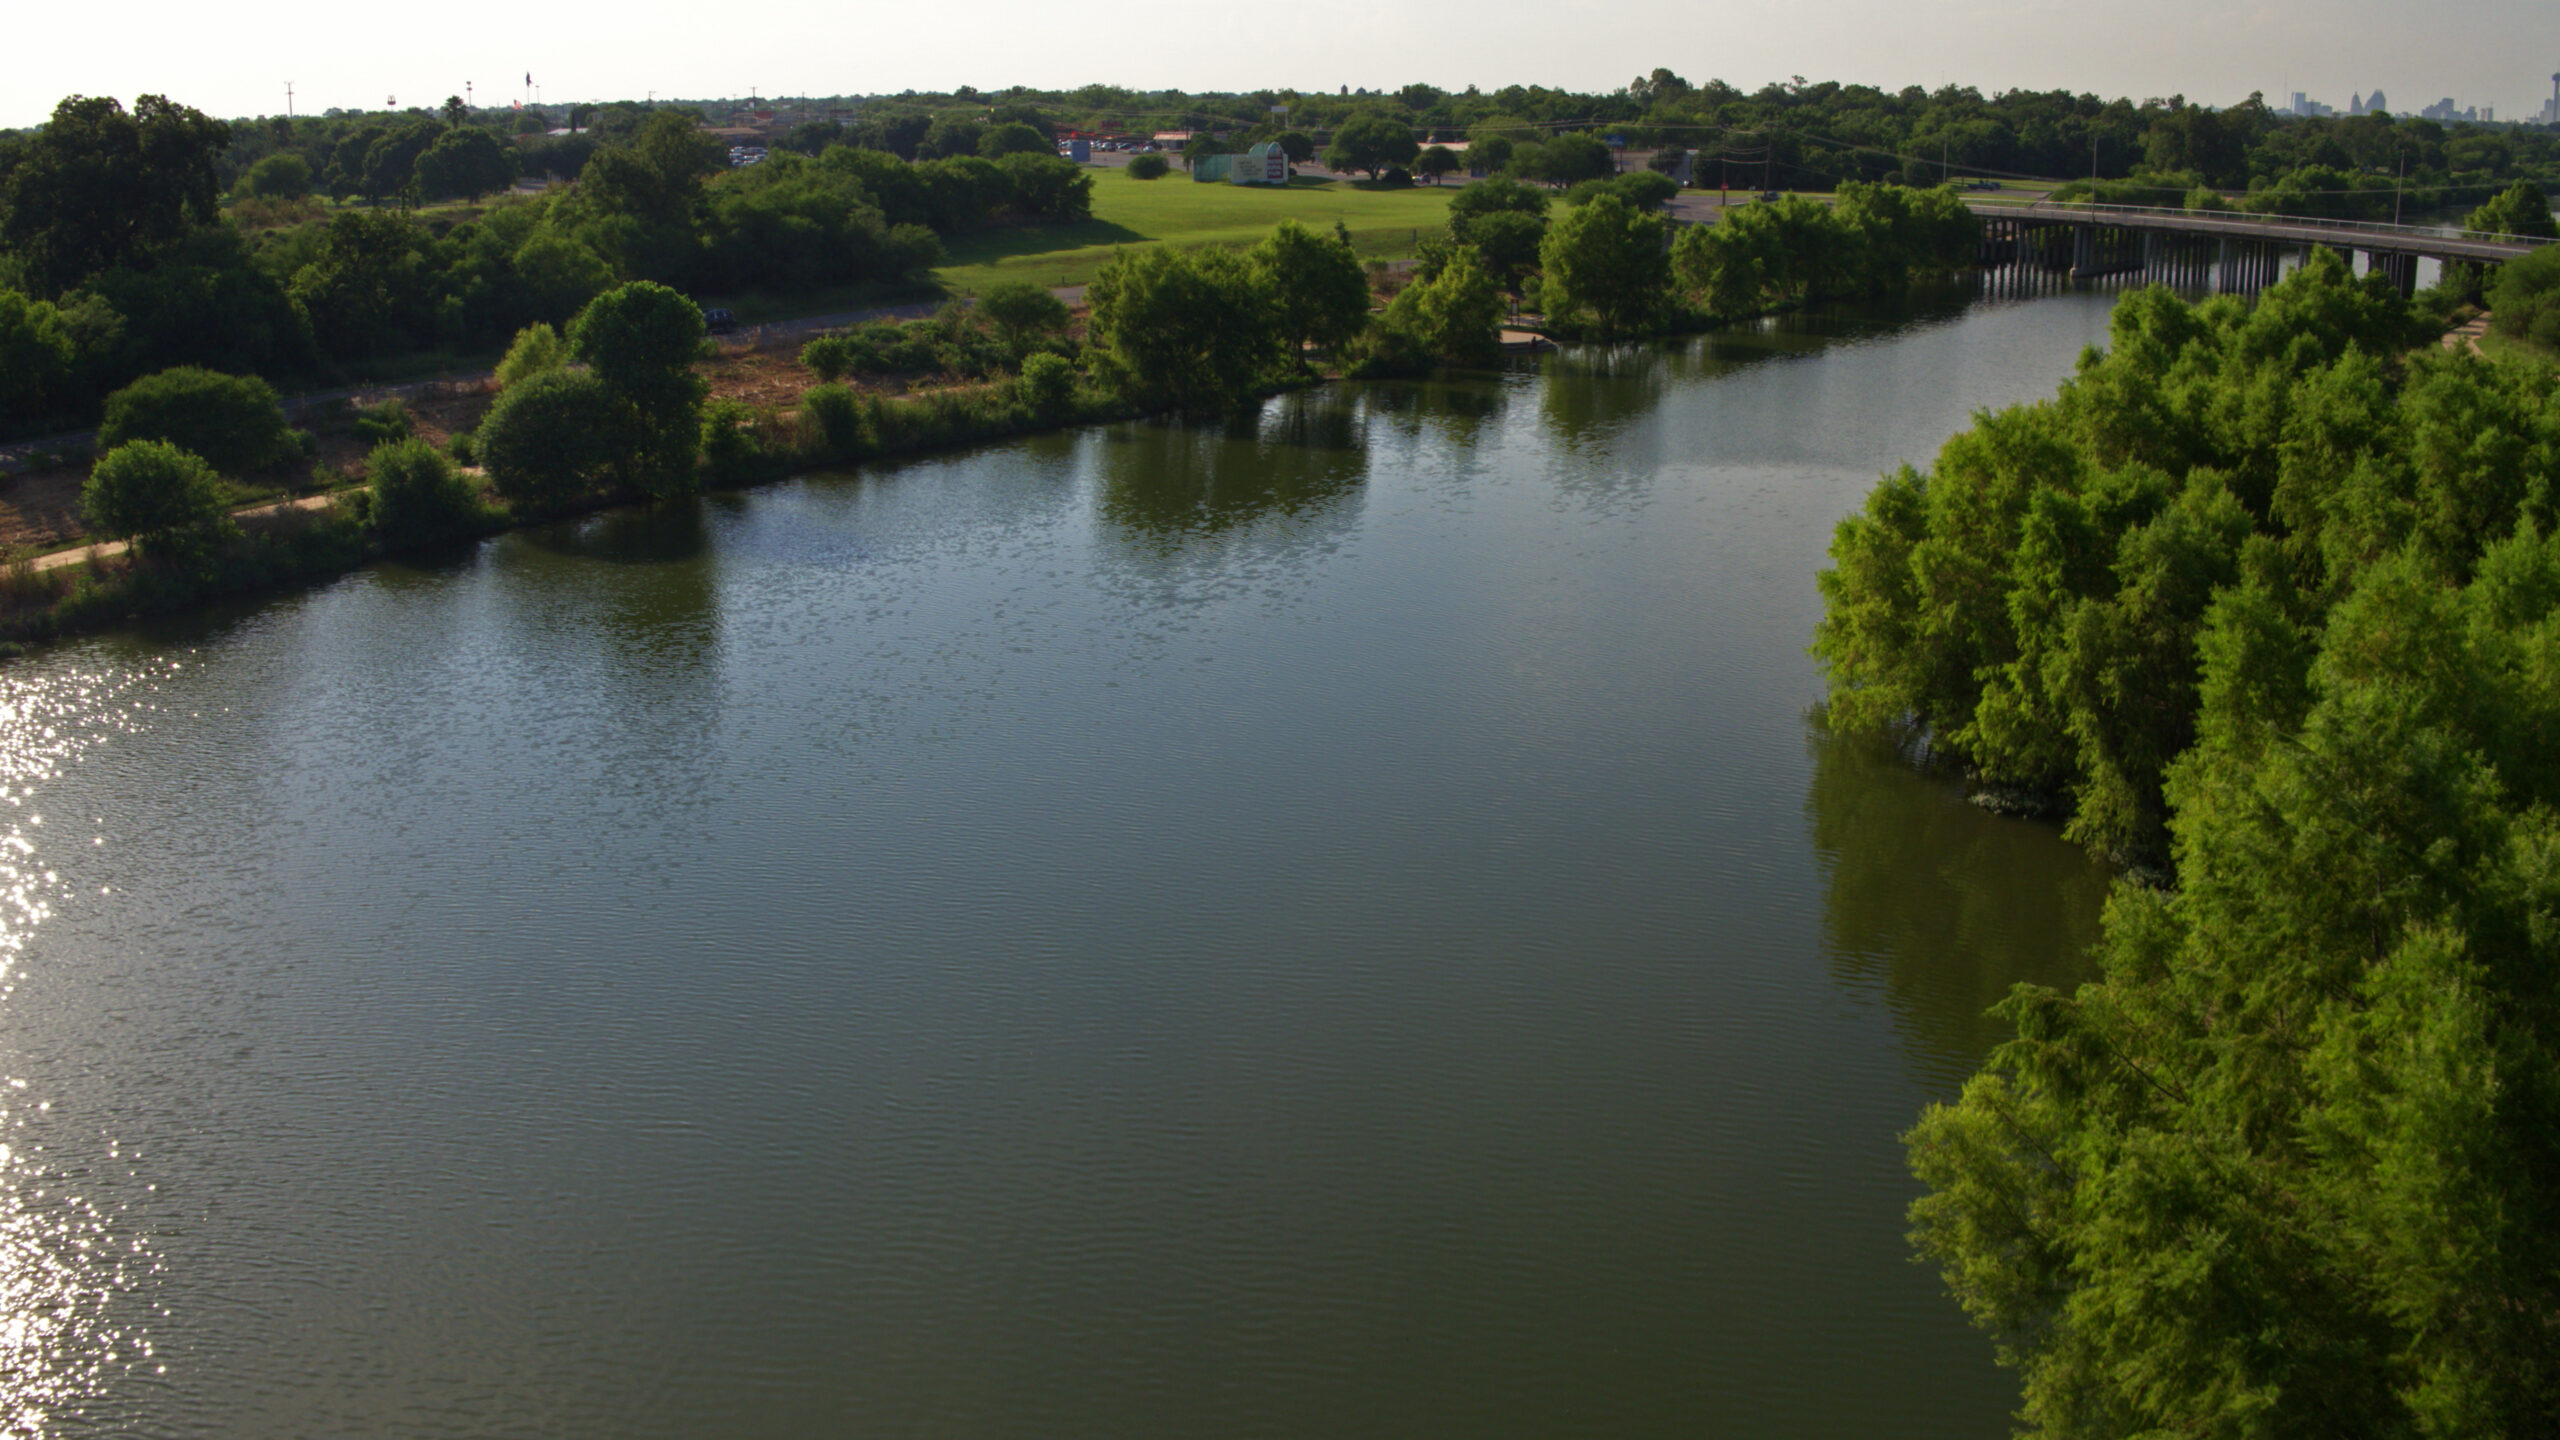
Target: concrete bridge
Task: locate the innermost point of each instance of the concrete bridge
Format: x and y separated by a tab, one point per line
2028	247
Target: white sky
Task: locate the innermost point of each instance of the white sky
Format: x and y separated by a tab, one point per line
234	60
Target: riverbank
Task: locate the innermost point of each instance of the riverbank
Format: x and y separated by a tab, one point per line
280	546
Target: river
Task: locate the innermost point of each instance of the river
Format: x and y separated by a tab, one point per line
1338	924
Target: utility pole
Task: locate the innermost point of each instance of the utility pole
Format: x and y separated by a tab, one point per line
467	98
288	99
2398	185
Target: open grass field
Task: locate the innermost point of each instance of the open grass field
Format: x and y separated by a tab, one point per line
1178	211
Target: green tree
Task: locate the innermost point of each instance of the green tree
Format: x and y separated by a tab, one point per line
418	497
464	164
1436	161
232	422
37	354
1016	138
1454	317
1048	382
551	439
558	274
1319	291
165	499
1298	146
1507	242
1604	269
282	176
1193	328
1371	140
1569	159
370	289
455	112
391	161
641	341
536	350
2522	209
96	187
1484	198
1023	313
1148	166
2290	1168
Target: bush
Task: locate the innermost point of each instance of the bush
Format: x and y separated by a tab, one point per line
231	422
1396	177
284	176
1048	383
827	357
385	422
1022	312
462	447
159	495
837	415
732	454
538	350
2524	298
1148	167
549	440
418	496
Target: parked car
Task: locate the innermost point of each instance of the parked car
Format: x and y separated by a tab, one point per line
719	321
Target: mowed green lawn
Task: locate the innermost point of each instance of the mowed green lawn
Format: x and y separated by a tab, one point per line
1180	211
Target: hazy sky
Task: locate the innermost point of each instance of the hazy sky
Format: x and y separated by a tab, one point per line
234	59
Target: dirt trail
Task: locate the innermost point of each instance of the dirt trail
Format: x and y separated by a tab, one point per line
107	550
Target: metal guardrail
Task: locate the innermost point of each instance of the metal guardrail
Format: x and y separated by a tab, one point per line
2228	218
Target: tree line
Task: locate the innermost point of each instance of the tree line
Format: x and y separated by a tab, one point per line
2266	600
118	259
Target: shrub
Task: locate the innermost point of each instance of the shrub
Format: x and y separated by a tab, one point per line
827	357
385	422
231	422
284	176
1048	382
462	447
2524	298
417	495
732	454
838	417
161	496
1022	312
538	350
1396	177
550	439
1147	167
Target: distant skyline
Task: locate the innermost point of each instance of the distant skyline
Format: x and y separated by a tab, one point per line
2212	52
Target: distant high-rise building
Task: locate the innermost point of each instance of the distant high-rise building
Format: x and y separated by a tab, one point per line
2374	104
2355	104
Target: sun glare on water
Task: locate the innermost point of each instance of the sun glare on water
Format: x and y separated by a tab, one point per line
71	1271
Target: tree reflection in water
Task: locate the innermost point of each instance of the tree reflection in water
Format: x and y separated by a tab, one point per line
1940	905
1166	482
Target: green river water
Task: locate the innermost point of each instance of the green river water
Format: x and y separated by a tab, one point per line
1338	924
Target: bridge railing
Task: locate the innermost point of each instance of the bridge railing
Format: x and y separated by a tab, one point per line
2220	218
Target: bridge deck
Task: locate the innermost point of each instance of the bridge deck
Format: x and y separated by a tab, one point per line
2280	229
